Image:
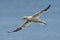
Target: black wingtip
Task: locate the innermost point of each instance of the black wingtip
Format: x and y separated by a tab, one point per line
11	32
47	7
15	30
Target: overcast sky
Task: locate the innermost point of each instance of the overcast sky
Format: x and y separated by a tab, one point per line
12	11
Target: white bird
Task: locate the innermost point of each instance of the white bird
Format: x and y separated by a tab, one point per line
30	19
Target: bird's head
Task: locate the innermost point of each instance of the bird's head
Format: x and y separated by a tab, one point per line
25	17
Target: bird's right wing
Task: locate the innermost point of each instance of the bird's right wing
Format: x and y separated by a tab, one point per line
21	27
41	12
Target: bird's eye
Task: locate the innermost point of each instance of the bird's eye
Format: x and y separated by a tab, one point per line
23	18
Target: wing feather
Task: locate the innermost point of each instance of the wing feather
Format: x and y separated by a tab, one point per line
41	12
22	26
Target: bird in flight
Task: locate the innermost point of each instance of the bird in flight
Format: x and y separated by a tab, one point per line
33	18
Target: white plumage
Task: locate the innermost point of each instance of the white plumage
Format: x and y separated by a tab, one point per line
30	19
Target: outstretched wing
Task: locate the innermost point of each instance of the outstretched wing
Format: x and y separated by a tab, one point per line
21	27
41	12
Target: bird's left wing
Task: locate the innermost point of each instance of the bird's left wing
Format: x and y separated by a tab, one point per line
40	12
21	27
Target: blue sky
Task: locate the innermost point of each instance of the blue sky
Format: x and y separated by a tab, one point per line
12	11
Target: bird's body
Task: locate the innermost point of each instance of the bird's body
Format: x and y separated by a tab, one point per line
30	19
